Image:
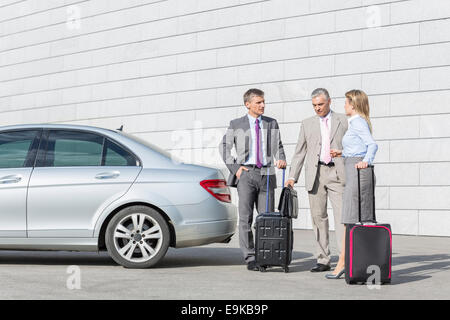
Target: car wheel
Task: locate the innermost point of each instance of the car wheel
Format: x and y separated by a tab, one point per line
137	237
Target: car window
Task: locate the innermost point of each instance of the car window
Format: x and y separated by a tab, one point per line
73	149
117	156
155	148
14	148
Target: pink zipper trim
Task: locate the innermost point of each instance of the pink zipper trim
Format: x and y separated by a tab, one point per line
351	247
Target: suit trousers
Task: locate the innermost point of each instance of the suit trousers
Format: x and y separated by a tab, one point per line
251	189
327	185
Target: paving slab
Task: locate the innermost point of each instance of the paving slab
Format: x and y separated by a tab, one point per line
421	270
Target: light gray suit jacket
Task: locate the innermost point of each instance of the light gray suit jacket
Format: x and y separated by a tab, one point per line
238	135
309	147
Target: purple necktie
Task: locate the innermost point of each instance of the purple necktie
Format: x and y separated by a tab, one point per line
258	159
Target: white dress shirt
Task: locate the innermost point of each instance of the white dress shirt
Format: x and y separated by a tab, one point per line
252	152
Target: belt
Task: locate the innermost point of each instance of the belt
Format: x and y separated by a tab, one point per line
330	164
254	167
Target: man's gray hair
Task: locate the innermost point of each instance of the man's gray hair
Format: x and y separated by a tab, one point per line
252	93
319	92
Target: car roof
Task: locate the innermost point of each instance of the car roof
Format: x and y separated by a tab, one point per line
56	126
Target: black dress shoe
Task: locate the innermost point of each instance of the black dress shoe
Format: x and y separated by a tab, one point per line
335	276
321	268
252	266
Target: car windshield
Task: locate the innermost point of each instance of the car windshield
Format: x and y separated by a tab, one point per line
151	146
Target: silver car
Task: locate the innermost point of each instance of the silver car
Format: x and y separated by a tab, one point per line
80	188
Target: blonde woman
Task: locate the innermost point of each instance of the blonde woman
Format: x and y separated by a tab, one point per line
359	151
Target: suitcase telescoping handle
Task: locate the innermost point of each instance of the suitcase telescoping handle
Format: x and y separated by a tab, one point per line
374	220
267	189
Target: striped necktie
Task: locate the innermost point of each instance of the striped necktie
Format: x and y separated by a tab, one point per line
258	145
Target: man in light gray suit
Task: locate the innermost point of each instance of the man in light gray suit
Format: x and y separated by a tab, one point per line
324	176
257	143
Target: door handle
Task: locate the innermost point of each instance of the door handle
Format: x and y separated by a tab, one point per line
11	179
108	175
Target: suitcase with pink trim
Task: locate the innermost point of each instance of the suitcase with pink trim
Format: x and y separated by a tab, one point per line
368	248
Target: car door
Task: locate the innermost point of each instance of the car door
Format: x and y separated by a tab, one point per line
77	175
17	155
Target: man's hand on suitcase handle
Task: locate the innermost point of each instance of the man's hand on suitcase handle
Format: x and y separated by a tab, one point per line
281	164
290	183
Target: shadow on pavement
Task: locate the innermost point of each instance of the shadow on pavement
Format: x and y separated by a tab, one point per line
56	258
301	262
175	258
424	267
196	257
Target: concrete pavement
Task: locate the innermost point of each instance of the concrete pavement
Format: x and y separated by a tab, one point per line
421	270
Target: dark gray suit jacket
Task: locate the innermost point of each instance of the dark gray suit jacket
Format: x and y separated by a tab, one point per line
238	135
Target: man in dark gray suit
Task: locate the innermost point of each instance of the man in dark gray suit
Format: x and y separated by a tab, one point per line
257	142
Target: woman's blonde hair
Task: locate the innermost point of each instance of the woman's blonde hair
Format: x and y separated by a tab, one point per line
360	101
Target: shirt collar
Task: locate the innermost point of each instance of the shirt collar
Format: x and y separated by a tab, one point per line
328	116
253	120
353	118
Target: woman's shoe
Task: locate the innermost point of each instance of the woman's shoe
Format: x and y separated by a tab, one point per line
335	276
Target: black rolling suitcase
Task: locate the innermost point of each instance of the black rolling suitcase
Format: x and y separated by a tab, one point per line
274	237
368	247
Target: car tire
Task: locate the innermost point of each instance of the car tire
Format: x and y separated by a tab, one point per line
137	237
